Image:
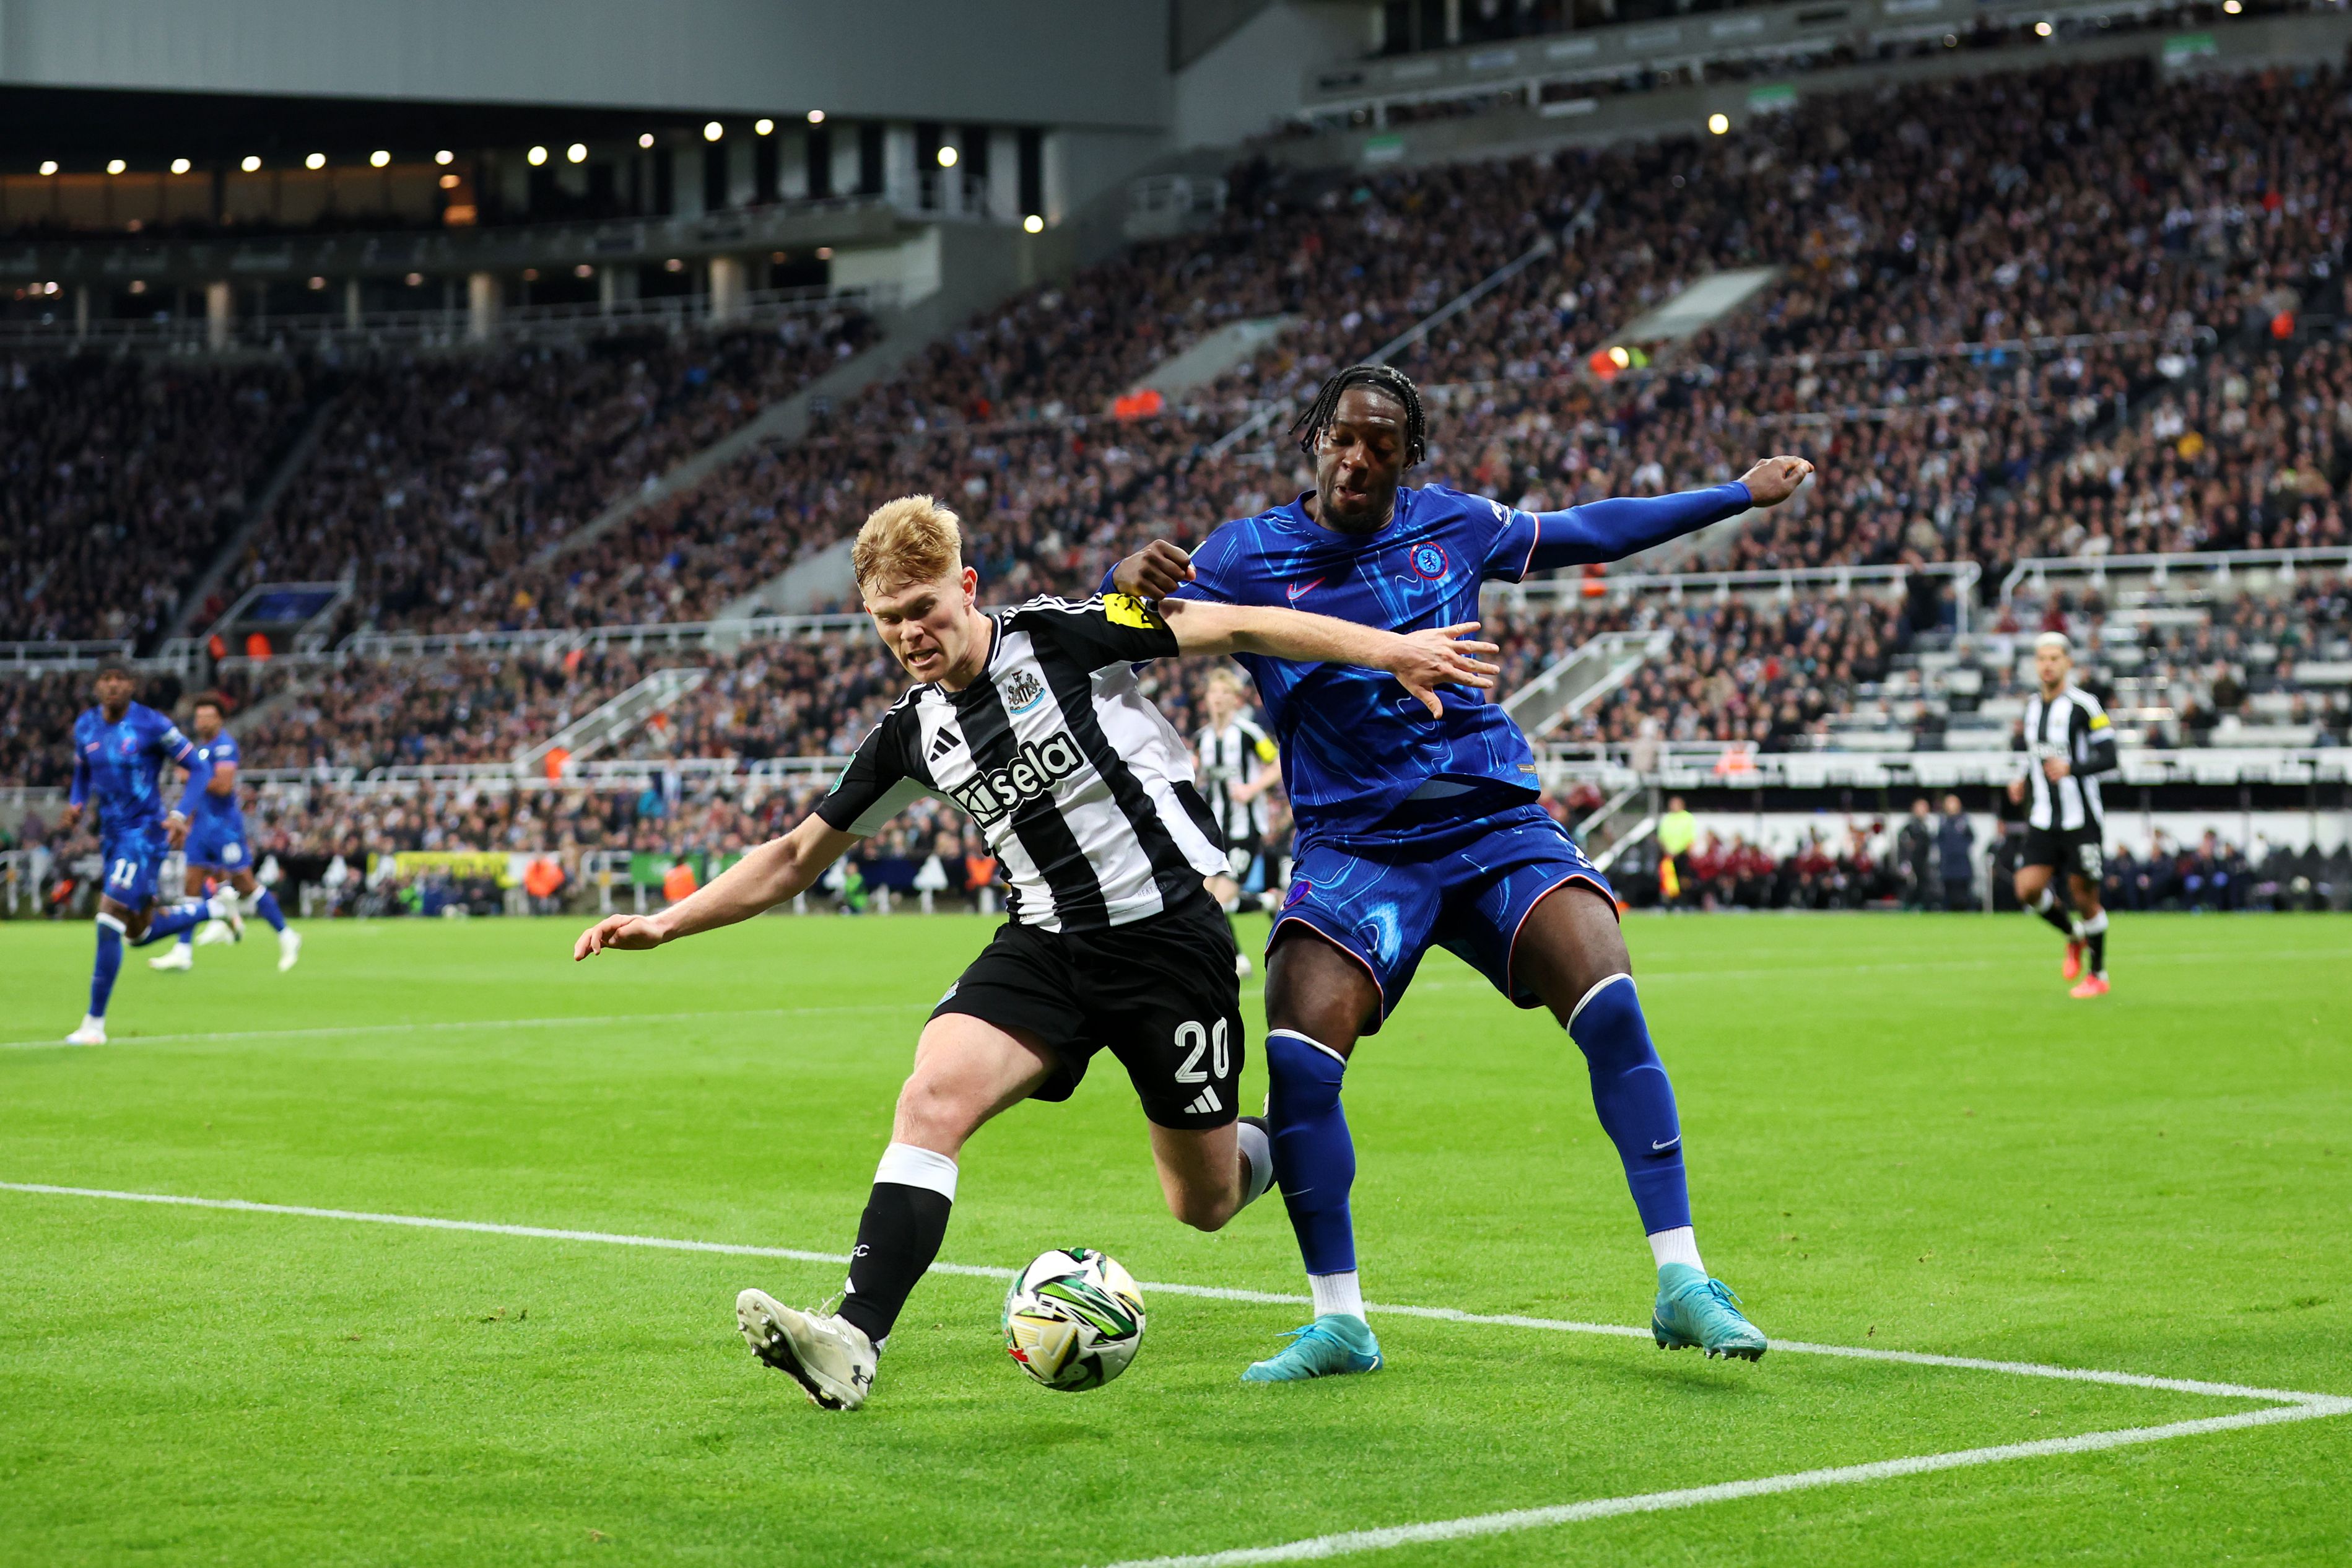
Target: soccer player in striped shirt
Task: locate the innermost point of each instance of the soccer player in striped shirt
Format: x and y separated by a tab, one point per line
1415	831
2072	744
1029	720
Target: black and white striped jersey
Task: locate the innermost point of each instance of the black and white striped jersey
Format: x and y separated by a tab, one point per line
2075	728
1082	787
1228	756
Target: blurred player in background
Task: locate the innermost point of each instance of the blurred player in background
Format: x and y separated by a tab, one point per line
217	845
120	748
2072	743
1235	762
1415	831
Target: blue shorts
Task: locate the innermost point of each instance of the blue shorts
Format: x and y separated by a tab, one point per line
1466	885
219	845
132	857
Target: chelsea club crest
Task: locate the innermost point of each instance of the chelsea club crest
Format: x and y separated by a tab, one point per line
1429	562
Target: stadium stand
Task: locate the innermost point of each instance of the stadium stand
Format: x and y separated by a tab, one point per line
121	478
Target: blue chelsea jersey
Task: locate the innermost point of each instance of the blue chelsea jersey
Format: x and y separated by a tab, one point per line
1354	744
120	765
220	750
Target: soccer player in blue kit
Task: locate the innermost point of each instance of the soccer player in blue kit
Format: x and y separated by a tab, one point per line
120	748
217	842
1414	831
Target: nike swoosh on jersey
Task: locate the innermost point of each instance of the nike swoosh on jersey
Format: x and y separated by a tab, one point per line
1296	589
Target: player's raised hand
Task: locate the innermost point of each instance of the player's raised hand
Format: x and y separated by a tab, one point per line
176	830
1154	572
634	933
1775	479
1441	656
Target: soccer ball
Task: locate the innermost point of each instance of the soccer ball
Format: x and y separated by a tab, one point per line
1073	1319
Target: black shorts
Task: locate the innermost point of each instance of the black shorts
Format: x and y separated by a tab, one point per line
2077	850
1159	994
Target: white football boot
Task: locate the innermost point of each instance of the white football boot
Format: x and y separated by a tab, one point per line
91	1033
212	933
178	958
831	1358
226	908
289	949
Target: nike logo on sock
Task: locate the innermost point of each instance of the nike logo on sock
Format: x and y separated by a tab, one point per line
1657	1148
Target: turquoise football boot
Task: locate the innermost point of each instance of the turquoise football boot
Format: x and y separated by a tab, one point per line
1331	1345
1695	1312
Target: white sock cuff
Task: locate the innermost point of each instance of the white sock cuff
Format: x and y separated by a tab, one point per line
1311	1040
1588	996
112	923
2095	924
1257	1152
905	1165
1337	1293
1679	1244
2043	899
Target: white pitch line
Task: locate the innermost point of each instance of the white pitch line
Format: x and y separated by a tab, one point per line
1208	1292
2309	1408
543	1022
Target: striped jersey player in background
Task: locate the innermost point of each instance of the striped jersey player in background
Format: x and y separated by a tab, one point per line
1031	720
1416	831
217	845
121	749
2072	744
1233	762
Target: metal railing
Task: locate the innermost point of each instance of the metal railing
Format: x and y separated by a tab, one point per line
2035	572
441	326
1677	587
36	659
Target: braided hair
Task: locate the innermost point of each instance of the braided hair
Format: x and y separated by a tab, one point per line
1387	380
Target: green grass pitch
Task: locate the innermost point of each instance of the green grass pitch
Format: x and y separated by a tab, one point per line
1902	1134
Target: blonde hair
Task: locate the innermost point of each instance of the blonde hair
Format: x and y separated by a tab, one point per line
2049	640
911	540
1226	676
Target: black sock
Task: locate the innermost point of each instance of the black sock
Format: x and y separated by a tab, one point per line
899	1237
2094	937
2053	910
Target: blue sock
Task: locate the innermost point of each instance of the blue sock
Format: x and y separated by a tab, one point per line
175	919
1313	1157
109	964
188	937
267	910
1635	1100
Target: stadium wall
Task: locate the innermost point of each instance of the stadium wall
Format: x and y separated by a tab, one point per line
1063	61
1251	80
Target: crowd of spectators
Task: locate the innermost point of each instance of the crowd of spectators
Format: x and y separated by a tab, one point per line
119	480
438	478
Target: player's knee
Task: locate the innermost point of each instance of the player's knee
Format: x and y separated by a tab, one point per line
1302	1074
935	1113
1201	1209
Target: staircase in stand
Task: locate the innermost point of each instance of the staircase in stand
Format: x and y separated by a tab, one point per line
614	722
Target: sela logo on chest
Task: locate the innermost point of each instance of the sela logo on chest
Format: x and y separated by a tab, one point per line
993	795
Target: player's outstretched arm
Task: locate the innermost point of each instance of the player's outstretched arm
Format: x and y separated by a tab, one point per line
1626	525
1421	661
776	871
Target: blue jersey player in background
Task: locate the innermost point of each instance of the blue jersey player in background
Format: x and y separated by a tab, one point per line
120	748
217	847
1414	831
